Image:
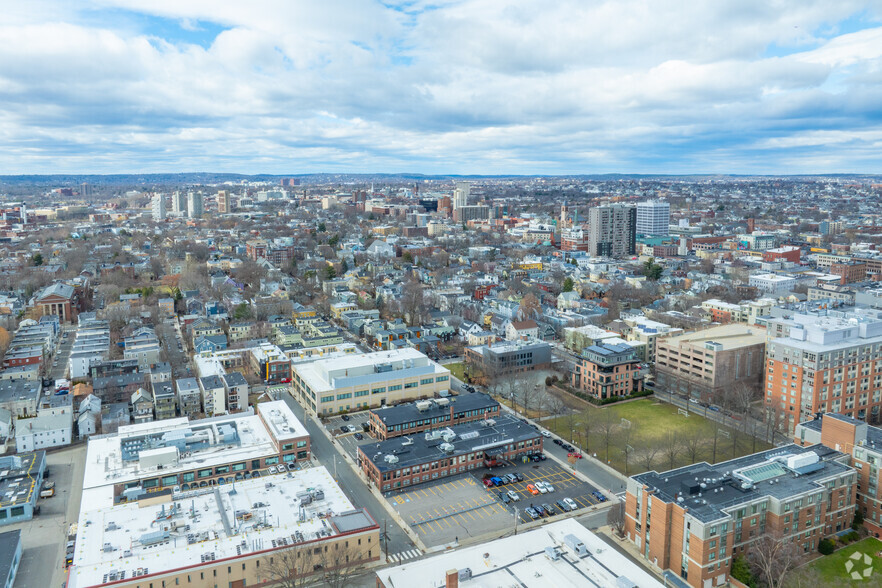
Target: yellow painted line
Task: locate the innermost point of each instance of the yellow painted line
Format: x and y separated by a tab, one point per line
471	515
478	512
425	494
464	520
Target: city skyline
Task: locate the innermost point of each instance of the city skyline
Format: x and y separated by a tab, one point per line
444	88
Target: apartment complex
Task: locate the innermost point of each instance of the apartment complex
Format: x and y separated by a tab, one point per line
225	535
368	380
703	363
416	417
863	444
500	359
694	519
404	461
653	218
608	370
825	362
612	230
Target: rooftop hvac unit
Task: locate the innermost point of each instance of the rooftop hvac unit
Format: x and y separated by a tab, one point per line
423	405
552	553
407	441
490	422
465	574
442	402
445	447
448	436
391	458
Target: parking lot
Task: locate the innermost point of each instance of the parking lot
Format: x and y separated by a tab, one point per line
348	442
565	485
451	509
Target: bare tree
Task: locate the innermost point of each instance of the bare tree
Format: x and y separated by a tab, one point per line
626	435
647	457
672	448
615	517
529	307
606	426
412	300
694	445
771	558
291	568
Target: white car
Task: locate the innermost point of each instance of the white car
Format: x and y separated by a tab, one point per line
571	503
546	434
272	469
513	495
541	487
548	486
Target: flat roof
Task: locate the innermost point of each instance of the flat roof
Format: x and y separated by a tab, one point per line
406	413
469	437
201	526
10	543
105	463
764	474
282	422
20	477
522	560
729	336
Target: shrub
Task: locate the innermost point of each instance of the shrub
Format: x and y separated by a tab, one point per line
741	572
858	520
549	381
826	547
849	537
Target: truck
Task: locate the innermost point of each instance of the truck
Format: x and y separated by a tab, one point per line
47	492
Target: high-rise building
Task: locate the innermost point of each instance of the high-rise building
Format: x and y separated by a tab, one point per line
223	201
612	230
194	205
461	194
179	204
653	218
159	211
829	361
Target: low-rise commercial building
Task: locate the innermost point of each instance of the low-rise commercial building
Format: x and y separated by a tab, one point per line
226	535
416	417
368	380
21	479
772	284
501	359
159	455
691	521
404	461
563	554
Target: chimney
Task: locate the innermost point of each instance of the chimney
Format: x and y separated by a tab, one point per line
452	580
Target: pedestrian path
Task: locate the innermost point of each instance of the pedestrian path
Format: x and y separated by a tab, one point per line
404	555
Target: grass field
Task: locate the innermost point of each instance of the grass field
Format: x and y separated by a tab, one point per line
832	568
457	369
657	438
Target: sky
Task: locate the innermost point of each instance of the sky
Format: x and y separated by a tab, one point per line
441	86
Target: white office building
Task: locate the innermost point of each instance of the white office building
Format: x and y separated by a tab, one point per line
772	284
179	204
653	218
159	211
461	194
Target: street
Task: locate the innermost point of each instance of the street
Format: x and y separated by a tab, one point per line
352	485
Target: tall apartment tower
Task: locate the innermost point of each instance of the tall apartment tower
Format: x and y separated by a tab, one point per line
194	205
653	218
159	210
461	194
612	230
179	204
223	201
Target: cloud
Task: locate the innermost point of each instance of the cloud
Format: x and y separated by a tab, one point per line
472	86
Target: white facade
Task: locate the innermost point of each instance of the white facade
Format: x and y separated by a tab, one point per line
44	431
179	204
159	211
461	194
194	205
772	284
653	218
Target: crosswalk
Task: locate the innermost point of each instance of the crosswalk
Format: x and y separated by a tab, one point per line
404	555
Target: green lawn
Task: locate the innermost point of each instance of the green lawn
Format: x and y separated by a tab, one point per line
832	568
457	370
658	438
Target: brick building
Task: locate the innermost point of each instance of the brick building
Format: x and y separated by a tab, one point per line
849	272
415	417
608	370
693	520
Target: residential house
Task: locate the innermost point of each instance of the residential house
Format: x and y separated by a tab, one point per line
522	330
142	406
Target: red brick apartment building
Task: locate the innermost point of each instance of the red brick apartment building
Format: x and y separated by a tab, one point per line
863	444
608	370
416	417
693	520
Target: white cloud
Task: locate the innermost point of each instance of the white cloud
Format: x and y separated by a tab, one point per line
478	86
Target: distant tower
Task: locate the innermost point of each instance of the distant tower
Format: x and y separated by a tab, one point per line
86	190
223	201
751	225
179	204
461	194
653	218
159	211
563	215
194	205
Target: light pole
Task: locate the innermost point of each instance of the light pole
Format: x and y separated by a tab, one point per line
517	518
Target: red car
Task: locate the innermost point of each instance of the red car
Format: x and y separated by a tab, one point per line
576	455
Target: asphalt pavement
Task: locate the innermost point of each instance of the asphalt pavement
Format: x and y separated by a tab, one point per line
353	486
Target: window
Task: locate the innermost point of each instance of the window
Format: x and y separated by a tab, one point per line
204	473
189	476
150	483
427	381
17	511
271	460
238	467
301	444
441	379
222	470
169	480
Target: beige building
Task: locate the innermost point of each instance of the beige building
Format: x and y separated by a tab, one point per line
702	364
367	380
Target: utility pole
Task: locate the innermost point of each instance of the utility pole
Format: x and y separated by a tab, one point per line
517	518
385	539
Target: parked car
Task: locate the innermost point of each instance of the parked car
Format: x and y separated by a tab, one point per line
542	487
538	508
562	506
531	488
548	508
272	469
546	434
497	481
350	428
345	417
344	429
488	482
599	496
505	498
359	436
558	442
575	454
292	466
514	495
512	478
532	512
570	503
519	477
